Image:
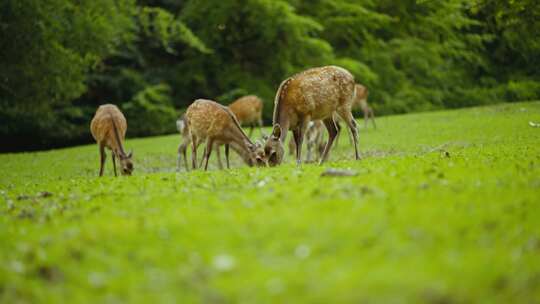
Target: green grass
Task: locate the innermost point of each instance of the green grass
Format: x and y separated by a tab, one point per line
415	225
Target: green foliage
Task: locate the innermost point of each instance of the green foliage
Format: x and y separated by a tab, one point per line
159	26
231	96
45	60
416	225
256	43
514	26
150	112
523	90
52	45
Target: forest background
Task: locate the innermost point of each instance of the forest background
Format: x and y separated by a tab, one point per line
60	59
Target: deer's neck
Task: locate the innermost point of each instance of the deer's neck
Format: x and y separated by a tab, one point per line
281	116
117	141
243	151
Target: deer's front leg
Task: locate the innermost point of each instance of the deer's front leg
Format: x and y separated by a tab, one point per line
332	133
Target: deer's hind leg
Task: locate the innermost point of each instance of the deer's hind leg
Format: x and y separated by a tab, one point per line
347	116
208	150
330	125
194	145
102	157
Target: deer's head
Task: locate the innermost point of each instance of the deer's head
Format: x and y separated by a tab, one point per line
258	154
126	164
273	147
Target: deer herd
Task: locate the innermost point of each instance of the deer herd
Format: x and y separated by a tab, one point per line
305	104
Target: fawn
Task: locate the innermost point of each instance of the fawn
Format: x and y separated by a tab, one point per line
108	128
314	139
315	94
248	111
215	123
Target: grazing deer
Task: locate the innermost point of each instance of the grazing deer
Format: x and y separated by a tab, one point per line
248	111
182	127
361	102
216	124
314	140
108	128
315	94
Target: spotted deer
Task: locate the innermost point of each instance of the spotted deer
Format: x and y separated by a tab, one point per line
216	124
108	127
314	140
315	94
248	111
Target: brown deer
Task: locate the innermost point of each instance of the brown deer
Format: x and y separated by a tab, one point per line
314	139
182	127
361	102
248	111
214	123
108	128
315	94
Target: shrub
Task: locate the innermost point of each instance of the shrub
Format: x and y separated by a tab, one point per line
150	112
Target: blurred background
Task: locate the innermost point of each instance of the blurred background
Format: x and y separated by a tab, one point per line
60	59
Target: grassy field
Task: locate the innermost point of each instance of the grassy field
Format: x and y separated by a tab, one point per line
445	209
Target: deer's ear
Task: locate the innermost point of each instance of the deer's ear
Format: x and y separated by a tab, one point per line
250	146
130	154
276	131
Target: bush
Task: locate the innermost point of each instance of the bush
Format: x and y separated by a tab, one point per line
522	90
150	112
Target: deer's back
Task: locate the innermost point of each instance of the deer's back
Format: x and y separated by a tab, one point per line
101	126
318	92
207	119
247	109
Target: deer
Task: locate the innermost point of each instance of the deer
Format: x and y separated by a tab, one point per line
248	111
182	127
314	94
108	127
214	123
314	139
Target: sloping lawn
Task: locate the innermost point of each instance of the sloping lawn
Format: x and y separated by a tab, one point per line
445	208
